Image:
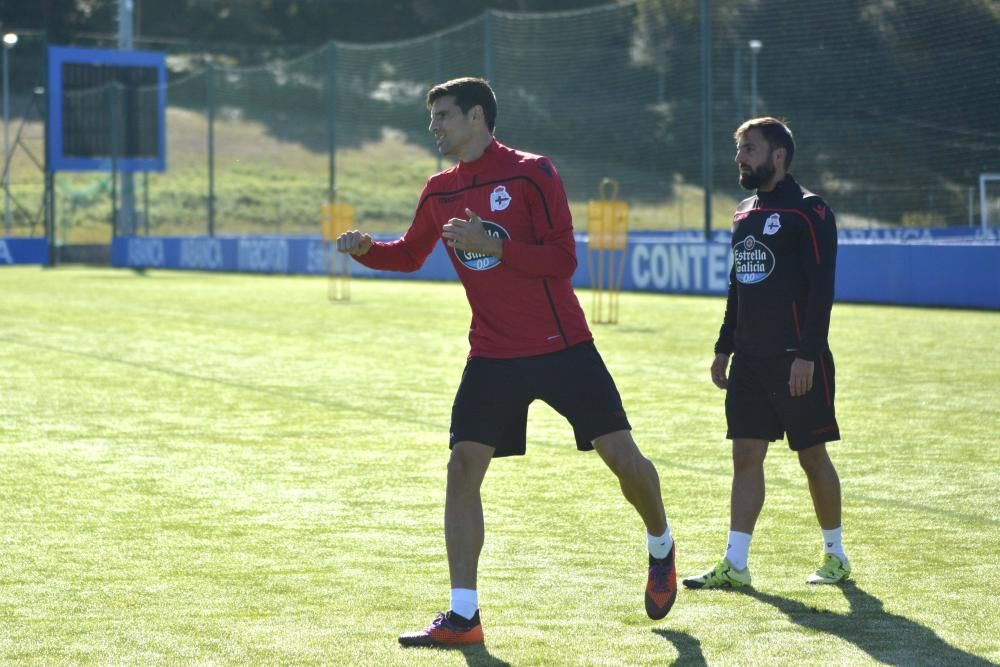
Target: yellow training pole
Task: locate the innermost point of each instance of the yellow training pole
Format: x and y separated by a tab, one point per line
337	219
607	234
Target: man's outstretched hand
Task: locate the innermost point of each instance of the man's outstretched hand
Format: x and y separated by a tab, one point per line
354	243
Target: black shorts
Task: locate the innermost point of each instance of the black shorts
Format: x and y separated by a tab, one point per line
759	405
491	406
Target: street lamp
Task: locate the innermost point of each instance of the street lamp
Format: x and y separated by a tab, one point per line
9	40
755	47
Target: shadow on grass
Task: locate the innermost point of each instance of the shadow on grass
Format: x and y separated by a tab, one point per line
480	656
888	638
476	655
688	647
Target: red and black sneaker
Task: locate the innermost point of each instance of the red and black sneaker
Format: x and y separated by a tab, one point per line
661	585
447	629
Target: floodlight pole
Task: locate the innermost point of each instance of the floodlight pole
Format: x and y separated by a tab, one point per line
755	47
9	40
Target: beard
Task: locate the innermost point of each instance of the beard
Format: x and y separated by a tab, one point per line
759	176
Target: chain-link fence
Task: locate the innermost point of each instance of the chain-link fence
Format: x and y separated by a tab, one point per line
24	136
894	110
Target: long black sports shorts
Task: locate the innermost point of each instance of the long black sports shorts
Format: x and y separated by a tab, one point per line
491	406
759	405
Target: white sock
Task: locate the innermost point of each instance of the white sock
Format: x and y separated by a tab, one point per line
659	547
464	602
832	543
738	549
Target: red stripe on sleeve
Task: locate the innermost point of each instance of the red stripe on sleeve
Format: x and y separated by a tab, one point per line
812	232
795	319
826	382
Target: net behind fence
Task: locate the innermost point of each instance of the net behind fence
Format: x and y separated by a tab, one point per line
893	106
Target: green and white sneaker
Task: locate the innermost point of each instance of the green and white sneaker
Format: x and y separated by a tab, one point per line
831	571
723	575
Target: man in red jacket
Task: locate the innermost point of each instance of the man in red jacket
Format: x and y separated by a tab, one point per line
504	218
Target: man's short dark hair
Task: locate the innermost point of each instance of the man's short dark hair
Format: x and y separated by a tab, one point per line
776	133
468	91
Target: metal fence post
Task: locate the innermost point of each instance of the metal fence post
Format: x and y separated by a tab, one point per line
49	194
210	111
331	119
438	77
488	45
115	150
707	167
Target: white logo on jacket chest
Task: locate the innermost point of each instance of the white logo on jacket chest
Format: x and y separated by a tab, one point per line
772	225
499	198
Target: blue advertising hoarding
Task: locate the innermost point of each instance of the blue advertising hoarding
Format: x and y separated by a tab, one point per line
24	251
928	274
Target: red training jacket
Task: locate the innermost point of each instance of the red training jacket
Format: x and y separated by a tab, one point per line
524	304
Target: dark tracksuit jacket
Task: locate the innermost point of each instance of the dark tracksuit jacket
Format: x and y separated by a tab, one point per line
781	282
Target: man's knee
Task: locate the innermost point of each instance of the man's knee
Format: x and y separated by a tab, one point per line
456	467
467	464
748	455
815	461
620	453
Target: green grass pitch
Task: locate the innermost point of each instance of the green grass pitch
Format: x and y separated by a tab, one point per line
230	469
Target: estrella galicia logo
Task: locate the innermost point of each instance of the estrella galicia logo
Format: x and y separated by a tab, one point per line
477	261
753	261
